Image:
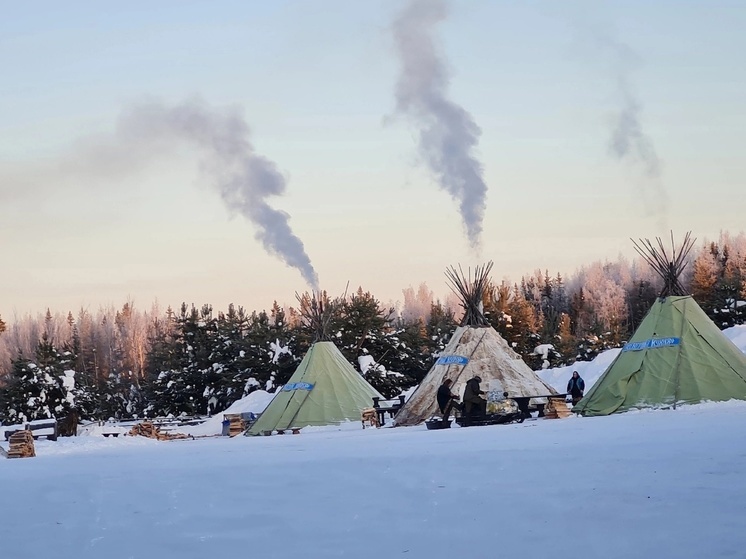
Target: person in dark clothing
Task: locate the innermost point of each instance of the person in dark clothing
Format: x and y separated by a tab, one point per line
474	402
576	387
446	399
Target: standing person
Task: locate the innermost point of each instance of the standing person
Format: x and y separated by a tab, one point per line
446	398
474	403
576	387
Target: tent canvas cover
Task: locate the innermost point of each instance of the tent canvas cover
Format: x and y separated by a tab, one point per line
677	355
473	350
324	390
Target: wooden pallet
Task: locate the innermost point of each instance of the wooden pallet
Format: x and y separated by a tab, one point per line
21	445
556	408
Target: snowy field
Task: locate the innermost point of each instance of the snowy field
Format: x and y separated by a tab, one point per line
665	484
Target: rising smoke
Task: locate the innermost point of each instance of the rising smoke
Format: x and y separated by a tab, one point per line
629	142
245	180
447	133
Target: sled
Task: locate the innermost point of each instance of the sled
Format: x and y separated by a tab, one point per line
490	419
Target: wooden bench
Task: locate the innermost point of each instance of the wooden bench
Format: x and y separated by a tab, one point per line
390	407
38	425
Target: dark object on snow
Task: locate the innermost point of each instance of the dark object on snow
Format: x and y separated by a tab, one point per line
474	402
446	399
576	387
436	423
68	426
490	419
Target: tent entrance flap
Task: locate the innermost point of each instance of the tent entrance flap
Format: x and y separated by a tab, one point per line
299	392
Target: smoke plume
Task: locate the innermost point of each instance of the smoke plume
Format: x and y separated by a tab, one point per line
447	133
629	142
245	179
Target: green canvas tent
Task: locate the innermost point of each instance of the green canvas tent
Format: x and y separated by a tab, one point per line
324	390
676	356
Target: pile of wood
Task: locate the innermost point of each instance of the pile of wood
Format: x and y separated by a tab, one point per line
371	416
556	408
147	429
21	445
237	424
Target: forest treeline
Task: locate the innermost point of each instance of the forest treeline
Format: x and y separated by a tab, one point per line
127	362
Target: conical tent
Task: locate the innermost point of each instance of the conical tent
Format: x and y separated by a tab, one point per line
677	355
473	350
324	390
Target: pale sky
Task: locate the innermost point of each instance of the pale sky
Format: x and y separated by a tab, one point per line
315	82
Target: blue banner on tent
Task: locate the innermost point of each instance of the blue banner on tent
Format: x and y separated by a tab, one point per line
651	344
297	386
452	360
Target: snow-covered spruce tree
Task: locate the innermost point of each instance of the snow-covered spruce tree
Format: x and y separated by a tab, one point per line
438	330
181	390
43	389
365	328
404	357
252	353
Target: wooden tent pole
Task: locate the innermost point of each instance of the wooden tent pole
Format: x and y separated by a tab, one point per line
677	371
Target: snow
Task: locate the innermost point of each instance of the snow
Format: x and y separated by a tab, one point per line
366	363
737	335
278	350
590	371
543	351
68	380
255	402
641	484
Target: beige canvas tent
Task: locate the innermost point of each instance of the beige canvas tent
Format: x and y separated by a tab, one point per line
476	348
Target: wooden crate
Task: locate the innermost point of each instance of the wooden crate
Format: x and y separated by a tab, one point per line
237	425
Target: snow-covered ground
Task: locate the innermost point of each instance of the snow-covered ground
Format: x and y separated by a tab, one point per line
590	371
642	484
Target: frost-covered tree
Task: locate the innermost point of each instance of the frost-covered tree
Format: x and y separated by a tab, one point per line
417	305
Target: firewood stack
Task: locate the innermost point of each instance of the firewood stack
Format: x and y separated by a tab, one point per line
147	429
237	424
371	416
21	445
556	408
